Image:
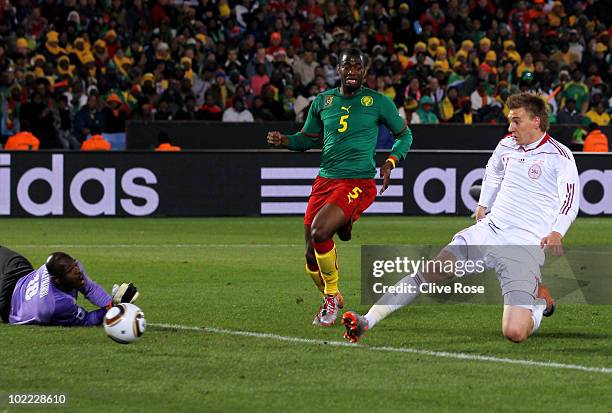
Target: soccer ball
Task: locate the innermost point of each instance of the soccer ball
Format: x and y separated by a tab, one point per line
124	323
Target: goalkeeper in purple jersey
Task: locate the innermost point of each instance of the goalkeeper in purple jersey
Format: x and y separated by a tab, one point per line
47	295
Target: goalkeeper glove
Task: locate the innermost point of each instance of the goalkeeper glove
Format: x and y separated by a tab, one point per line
124	293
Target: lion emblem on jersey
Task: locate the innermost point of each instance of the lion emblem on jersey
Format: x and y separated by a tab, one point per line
535	171
329	100
367	100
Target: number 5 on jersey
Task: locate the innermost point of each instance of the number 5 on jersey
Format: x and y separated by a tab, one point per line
344	119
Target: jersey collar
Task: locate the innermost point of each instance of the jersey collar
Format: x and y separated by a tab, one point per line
536	144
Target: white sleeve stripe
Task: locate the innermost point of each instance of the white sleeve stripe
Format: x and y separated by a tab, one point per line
568	199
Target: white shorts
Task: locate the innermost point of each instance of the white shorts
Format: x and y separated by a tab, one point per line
516	264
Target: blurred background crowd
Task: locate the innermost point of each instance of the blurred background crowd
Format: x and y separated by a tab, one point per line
73	69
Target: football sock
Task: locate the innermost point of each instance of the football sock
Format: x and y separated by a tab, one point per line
391	302
536	315
316	277
325	252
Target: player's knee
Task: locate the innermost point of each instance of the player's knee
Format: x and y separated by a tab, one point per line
516	334
320	233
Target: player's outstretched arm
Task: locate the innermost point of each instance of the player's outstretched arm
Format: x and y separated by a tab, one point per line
68	313
92	291
277	139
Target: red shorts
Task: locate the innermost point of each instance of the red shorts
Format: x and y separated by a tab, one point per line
352	195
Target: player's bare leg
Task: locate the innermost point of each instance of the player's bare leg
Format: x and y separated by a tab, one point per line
517	323
325	224
344	232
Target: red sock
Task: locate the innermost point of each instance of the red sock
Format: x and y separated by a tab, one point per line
323	247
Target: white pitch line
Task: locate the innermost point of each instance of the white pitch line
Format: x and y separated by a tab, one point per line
46	246
444	354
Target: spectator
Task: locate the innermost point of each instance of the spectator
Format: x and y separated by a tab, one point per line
449	105
598	114
89	120
575	45
480	97
259	80
219	91
433	16
188	111
10	109
305	66
424	114
63	125
114	115
288	101
210	110
302	102
237	112
466	115
259	111
37	117
35	24
163	111
271	103
578	91
259	58
596	140
493	114
568	114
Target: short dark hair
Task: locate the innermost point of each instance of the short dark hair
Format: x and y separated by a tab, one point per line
533	104
58	264
352	52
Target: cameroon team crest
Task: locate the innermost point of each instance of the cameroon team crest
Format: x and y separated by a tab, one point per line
329	100
367	100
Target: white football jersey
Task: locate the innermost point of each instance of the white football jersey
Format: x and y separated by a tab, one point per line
531	188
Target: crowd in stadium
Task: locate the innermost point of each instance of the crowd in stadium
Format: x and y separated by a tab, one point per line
73	69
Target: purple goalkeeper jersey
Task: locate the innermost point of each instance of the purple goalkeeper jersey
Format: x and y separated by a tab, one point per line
36	300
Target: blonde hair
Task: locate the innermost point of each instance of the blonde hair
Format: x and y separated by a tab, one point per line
533	104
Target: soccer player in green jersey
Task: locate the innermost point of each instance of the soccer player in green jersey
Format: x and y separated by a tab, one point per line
345	121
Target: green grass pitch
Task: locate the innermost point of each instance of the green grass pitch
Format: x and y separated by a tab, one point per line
246	274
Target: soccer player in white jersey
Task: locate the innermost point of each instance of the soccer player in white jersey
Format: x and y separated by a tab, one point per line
529	199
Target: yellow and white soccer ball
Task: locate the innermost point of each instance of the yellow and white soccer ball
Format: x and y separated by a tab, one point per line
124	323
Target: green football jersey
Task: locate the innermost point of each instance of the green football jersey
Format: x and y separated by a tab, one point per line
347	126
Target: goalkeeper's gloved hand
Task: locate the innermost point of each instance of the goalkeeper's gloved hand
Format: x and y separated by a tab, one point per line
124	293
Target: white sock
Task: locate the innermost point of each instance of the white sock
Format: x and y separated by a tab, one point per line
393	302
536	315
